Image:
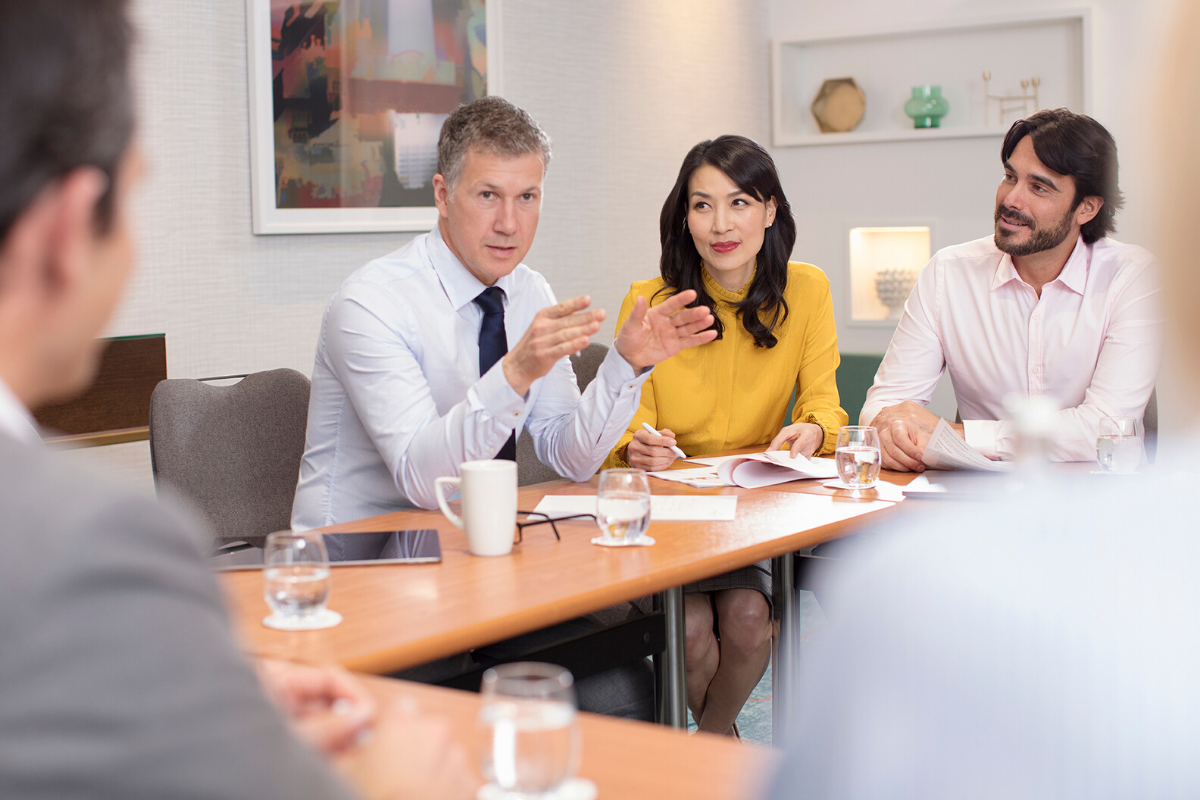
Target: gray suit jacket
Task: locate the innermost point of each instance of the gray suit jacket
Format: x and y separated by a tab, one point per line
118	674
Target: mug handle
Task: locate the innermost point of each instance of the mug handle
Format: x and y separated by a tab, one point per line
441	498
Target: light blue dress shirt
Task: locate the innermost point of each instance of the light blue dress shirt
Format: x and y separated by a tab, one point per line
397	399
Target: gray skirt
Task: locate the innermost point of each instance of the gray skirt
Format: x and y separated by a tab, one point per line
756	576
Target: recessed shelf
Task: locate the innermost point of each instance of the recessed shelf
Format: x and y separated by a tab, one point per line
1053	46
898	135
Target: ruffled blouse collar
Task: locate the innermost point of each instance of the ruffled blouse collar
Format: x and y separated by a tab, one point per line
720	293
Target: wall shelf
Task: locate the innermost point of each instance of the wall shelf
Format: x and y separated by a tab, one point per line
1054	46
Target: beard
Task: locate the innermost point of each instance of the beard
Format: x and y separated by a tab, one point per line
1039	238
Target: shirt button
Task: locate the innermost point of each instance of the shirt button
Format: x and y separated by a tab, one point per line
1036	370
516	413
1037	315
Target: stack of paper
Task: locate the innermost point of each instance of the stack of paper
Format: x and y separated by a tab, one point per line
947	450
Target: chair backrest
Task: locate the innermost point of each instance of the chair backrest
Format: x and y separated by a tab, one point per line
233	452
855	374
529	469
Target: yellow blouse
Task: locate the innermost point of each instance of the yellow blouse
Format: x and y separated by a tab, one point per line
729	393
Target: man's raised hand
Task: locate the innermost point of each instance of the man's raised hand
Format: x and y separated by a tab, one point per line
556	331
652	335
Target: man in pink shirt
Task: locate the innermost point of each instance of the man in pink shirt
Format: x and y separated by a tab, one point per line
1049	305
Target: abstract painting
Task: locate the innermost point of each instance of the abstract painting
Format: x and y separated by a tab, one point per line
347	100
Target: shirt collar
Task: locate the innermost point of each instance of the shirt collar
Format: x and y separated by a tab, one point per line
460	285
1073	275
15	419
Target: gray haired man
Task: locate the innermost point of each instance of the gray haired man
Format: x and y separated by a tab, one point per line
399	395
414	374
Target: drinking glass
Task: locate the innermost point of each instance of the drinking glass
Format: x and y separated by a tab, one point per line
857	456
296	574
623	503
530	735
1119	444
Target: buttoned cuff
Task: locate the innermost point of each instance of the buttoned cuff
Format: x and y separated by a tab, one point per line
981	434
494	394
618	371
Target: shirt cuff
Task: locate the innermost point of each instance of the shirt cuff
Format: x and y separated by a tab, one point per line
981	434
620	372
494	394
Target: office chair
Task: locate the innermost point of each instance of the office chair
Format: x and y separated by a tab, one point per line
529	469
233	452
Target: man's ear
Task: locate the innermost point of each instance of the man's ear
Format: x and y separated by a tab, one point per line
71	225
1088	208
441	196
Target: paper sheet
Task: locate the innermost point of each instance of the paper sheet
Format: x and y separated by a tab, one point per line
700	478
947	450
711	461
921	484
664	508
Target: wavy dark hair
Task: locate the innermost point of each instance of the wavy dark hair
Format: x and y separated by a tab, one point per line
1075	145
749	166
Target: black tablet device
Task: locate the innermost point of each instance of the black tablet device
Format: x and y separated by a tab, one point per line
375	547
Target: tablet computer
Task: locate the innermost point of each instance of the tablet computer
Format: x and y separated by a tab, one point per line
367	549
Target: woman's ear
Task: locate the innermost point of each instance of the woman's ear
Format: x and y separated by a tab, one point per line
772	206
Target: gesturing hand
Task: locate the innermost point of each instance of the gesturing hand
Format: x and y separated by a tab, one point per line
556	331
651	335
651	452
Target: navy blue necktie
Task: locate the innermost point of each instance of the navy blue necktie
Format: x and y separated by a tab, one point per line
493	345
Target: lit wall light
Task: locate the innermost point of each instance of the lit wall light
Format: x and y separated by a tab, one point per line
884	263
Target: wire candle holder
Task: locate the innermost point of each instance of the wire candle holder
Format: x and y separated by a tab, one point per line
1010	103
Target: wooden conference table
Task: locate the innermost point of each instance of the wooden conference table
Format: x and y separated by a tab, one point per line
398	617
629	760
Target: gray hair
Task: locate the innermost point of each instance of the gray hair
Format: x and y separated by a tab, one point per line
493	125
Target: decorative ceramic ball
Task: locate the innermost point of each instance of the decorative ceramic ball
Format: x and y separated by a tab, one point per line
893	287
927	106
839	105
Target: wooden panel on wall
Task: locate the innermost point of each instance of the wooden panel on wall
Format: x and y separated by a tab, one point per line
117	406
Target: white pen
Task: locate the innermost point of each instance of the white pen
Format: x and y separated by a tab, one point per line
650	429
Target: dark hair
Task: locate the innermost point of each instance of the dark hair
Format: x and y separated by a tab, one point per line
1075	145
491	124
66	101
749	166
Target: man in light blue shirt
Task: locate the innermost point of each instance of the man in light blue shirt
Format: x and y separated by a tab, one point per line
397	397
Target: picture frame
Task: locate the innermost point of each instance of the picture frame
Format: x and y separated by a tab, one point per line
352	146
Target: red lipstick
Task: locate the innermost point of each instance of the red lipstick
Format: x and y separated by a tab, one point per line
726	247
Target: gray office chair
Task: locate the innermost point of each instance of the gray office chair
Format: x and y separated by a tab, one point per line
529	469
233	452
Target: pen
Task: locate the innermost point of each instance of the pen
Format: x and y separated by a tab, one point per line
649	429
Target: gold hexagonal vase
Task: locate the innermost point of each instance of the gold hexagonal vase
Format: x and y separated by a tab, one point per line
839	105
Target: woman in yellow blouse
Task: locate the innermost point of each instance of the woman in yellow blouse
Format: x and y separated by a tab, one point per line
727	231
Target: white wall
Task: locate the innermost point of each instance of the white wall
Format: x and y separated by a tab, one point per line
624	87
952	182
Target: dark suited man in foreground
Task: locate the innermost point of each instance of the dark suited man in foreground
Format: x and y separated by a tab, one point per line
118	674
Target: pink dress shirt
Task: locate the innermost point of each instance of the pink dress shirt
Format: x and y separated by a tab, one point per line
1092	341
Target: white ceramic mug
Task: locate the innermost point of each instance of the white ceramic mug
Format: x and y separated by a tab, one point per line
489	504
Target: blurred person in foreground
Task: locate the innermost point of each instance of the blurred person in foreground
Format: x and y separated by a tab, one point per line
1047	648
1049	305
118	673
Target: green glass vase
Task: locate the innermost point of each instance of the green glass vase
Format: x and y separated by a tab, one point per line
927	106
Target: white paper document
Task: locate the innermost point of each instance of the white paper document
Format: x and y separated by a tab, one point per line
701	477
712	461
778	466
921	484
664	508
947	450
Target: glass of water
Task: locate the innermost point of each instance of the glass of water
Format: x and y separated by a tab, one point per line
530	736
623	503
296	574
1119	444
857	456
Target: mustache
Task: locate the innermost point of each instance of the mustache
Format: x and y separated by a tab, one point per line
1012	216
